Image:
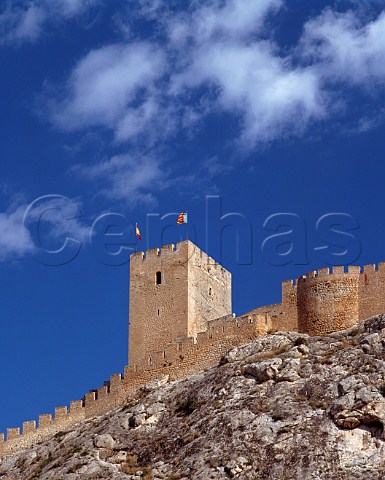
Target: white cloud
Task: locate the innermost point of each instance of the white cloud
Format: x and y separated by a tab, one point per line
52	218
219	56
141	119
260	87
44	224
105	84
21	24
15	239
215	20
69	8
345	49
137	88
126	177
248	75
26	21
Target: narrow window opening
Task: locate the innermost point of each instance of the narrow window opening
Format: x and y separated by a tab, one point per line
158	312
158	278
210	291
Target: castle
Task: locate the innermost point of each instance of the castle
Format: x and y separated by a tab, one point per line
181	322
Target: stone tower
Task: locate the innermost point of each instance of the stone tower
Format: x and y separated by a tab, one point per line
174	292
328	302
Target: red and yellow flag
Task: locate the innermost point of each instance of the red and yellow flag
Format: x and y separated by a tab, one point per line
182	218
137	232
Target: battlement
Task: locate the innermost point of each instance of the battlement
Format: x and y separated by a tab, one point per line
217	331
331	291
176	251
94	402
153	252
334	299
185	249
47	426
178	360
367	272
338	270
289	283
328	273
327	300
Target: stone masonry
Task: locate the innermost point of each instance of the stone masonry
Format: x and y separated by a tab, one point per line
326	301
174	293
181	322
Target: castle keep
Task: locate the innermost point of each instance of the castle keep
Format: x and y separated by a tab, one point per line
174	294
181	322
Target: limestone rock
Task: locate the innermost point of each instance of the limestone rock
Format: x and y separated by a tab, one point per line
155	408
373	345
137	420
285	407
104	441
264	371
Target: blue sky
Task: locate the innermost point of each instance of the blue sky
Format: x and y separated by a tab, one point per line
269	114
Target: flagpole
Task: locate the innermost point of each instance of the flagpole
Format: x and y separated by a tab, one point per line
187	227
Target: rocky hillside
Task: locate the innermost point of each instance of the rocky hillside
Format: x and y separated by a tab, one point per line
288	406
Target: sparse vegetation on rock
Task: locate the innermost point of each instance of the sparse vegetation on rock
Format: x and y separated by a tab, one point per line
287	406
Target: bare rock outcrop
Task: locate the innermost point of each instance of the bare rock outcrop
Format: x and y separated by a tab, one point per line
288	406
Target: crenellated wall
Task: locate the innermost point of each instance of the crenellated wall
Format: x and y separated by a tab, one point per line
176	360
47	426
328	301
372	291
284	316
324	301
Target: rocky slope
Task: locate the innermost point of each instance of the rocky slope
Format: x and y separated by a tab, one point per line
288	406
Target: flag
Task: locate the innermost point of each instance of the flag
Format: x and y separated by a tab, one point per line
182	218
137	232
